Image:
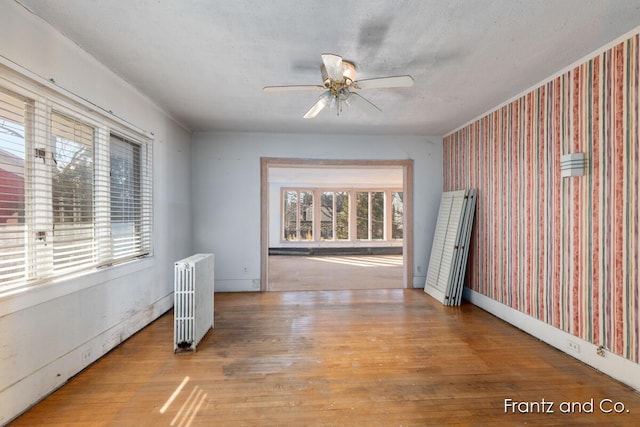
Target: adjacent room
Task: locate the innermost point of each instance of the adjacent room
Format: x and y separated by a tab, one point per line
336	225
307	147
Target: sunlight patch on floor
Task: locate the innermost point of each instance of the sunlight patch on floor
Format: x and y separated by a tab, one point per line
174	395
369	261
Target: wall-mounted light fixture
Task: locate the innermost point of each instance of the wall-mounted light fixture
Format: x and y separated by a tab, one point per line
572	164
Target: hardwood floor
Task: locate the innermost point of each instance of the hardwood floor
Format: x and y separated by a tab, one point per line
356	358
324	273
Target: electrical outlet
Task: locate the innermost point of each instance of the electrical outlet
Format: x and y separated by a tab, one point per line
419	269
86	356
573	346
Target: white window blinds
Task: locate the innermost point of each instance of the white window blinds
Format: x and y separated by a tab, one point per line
129	206
72	193
12	184
75	192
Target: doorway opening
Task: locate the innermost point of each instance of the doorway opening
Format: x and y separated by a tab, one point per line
336	224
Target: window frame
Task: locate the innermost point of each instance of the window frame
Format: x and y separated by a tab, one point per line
41	103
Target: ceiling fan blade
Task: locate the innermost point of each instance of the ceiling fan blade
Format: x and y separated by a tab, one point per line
316	108
383	82
333	65
363	104
293	88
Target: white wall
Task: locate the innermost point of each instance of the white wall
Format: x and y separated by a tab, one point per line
226	191
49	333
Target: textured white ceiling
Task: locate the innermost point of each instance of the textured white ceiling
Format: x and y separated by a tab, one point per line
205	61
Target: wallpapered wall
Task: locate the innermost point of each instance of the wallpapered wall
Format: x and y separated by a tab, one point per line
563	250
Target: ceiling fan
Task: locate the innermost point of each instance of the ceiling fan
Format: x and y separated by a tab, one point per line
340	87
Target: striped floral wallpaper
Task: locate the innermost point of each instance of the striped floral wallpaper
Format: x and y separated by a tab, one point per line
563	250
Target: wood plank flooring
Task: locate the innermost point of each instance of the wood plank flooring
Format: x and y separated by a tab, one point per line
324	273
338	358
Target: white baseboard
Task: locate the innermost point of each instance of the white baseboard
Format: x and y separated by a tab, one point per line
19	397
611	364
418	281
237	285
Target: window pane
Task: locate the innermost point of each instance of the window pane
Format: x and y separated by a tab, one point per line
397	213
12	173
362	212
342	215
306	215
377	215
326	216
72	179
125	198
12	134
290	215
72	193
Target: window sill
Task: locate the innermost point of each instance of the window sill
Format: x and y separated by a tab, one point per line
17	299
337	251
338	243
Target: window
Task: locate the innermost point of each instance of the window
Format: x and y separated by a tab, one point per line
290	215
71	192
378	215
298	215
12	183
305	224
334	215
72	181
397	213
129	212
341	215
362	209
74	193
371	215
327	216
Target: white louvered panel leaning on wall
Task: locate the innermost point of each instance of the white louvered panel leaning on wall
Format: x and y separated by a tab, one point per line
447	265
193	300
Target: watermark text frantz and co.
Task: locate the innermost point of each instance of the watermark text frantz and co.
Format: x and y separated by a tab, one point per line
542	406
